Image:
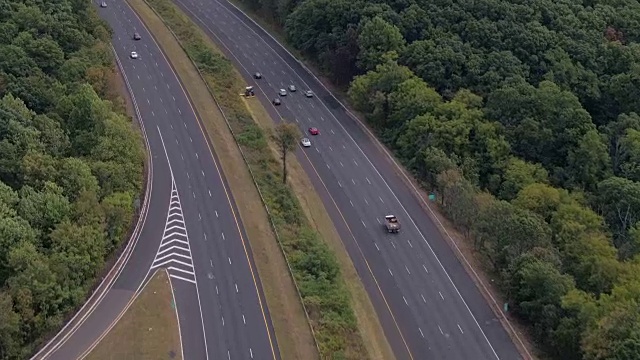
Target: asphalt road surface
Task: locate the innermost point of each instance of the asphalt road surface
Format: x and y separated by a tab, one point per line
191	227
429	306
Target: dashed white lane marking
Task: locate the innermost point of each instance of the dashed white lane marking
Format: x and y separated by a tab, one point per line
423	299
174	252
425	268
442	297
460	329
439	328
421	333
368	181
409	272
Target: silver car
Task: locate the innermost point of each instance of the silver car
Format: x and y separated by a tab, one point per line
292	88
305	142
283	92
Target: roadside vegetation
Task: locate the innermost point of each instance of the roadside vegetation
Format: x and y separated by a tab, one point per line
71	165
147	330
523	120
314	266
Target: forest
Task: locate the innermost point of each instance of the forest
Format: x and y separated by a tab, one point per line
71	165
522	116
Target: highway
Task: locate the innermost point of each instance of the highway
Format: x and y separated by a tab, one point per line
429	306
191	227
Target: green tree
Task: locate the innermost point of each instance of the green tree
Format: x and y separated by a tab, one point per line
74	177
9	327
630	154
286	138
518	174
616	335
118	209
618	200
43	209
541	199
536	288
377	38
458	199
589	162
504	232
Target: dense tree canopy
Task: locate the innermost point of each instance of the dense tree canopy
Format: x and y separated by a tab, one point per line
71	165
523	117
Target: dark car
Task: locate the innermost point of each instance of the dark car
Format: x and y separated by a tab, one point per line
136	36
257	75
276	102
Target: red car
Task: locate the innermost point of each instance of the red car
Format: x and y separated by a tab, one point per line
314	131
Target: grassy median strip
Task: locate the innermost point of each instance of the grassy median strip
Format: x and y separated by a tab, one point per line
315	267
149	328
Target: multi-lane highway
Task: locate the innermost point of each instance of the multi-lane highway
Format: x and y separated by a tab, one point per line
190	228
428	304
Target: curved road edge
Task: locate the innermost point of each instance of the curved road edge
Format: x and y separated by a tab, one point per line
493	304
107	282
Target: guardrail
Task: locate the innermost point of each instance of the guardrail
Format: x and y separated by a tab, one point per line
253	178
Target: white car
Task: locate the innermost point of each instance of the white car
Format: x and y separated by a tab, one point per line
283	92
308	93
292	88
305	142
134	55
103	4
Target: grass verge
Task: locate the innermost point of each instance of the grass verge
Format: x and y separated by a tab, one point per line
314	266
149	328
295	340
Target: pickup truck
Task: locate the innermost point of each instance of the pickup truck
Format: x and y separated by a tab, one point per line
392	224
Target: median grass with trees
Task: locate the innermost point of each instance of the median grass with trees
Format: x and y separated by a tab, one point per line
314	266
71	165
523	119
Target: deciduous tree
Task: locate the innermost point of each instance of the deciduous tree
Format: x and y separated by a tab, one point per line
286	138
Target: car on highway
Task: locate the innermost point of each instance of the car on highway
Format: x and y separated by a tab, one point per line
257	75
308	93
282	92
103	4
292	88
276	102
305	142
391	223
134	55
314	131
136	36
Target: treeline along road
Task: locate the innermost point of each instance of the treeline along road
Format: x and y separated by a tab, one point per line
71	165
